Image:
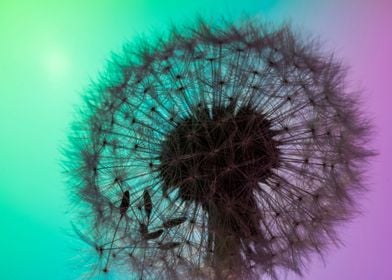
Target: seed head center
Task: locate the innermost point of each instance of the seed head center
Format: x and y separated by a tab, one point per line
218	154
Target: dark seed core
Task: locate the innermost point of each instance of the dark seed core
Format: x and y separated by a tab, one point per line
218	154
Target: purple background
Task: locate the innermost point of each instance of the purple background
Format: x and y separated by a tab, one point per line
360	32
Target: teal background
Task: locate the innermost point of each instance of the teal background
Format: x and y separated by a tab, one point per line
51	50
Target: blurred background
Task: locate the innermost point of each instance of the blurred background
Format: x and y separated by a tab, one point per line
51	50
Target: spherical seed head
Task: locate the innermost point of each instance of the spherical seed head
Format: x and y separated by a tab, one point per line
226	152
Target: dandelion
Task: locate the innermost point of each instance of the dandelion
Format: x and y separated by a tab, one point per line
220	152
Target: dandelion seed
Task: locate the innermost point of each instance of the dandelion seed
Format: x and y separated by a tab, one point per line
143	229
169	245
236	150
124	203
123	209
174	222
153	235
147	203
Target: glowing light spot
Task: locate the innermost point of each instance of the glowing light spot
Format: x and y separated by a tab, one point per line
56	63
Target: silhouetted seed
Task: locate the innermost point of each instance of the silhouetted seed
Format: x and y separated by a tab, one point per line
153	235
123	209
147	203
169	245
124	203
143	229
174	222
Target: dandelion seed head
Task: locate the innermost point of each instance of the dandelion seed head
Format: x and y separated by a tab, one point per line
220	152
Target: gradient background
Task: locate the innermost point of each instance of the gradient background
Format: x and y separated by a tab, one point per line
49	52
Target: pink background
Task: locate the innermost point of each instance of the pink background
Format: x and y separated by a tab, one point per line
360	32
